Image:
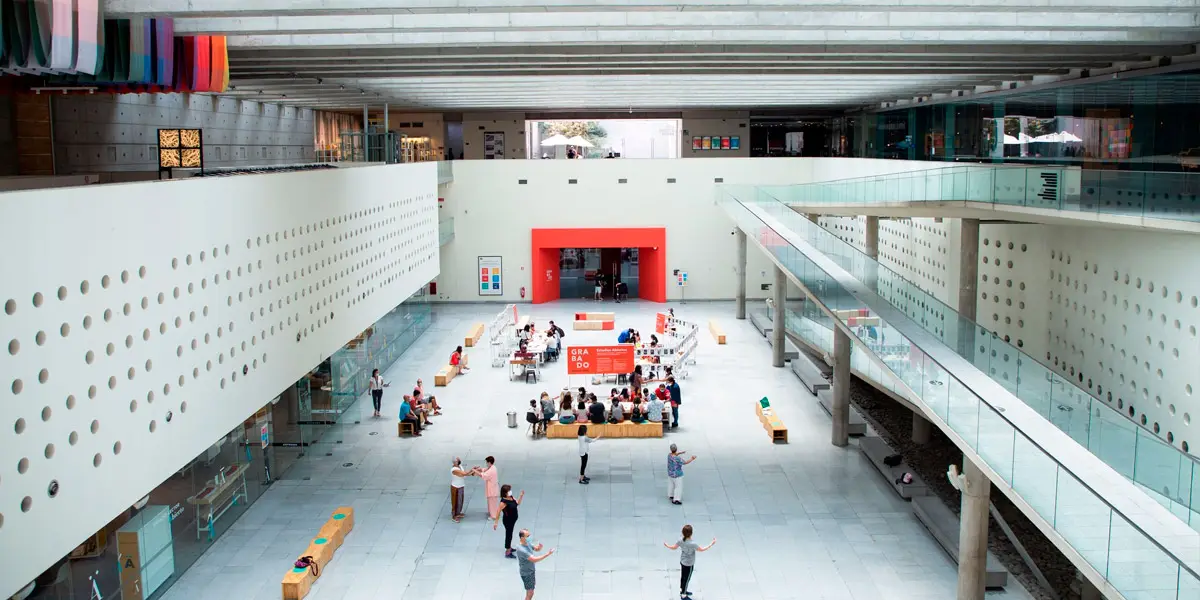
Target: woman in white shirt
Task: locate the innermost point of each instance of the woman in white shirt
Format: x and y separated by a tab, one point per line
584	442
376	385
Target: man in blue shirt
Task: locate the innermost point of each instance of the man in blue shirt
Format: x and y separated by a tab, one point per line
675	401
625	337
408	416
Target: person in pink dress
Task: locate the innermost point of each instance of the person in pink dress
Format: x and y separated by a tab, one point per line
491	480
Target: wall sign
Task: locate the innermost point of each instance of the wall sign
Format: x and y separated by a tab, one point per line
493	145
681	278
490	276
600	360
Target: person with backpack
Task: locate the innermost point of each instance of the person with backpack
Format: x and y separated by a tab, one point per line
687	558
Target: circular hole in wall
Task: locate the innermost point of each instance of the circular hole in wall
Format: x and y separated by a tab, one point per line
96	460
49	451
73	438
22	465
26	504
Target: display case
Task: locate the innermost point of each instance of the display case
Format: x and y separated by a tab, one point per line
145	552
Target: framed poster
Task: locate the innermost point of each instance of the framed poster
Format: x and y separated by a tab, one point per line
490	276
735	142
600	360
696	143
493	145
725	142
707	142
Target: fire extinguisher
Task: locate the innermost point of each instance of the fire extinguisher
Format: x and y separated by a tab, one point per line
522	291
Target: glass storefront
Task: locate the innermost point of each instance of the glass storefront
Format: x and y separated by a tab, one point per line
1140	123
177	521
580	267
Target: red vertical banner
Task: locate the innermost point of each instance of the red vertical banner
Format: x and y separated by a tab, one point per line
515	319
660	323
600	360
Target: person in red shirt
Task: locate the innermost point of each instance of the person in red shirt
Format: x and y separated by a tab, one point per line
458	358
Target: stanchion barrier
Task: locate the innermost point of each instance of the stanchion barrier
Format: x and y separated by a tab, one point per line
503	335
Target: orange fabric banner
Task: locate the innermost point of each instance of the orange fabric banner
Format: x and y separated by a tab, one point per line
660	323
600	360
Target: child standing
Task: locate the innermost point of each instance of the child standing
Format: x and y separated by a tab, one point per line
687	559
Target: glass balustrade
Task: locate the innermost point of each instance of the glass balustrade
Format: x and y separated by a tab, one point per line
1132	560
445	230
1173	196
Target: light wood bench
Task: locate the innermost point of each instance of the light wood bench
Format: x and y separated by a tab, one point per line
444	375
595	316
772	424
628	429
473	335
297	581
594	325
716	332
403	427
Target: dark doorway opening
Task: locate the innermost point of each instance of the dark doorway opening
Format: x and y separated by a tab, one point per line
580	268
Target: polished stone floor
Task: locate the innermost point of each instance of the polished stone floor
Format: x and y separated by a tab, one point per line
802	520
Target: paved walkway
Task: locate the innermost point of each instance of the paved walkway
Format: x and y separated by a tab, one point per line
803	520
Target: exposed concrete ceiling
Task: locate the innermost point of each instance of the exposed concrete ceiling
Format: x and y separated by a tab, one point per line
625	54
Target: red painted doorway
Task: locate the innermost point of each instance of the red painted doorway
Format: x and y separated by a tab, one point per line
651	243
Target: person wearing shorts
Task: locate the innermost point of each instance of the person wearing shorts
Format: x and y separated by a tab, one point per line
526	559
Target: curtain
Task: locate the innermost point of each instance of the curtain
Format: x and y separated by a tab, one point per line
329	126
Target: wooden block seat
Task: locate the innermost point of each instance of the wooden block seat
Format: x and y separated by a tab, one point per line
595	316
473	335
594	325
875	449
716	332
772	424
857	426
943	524
628	429
444	375
298	581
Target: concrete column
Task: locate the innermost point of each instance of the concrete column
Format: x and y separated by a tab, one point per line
778	339
366	144
871	237
812	217
922	429
973	532
840	410
741	273
968	280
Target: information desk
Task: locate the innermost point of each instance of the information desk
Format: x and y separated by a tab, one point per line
628	429
217	497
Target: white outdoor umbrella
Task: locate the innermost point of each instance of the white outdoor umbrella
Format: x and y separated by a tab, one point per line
556	140
579	141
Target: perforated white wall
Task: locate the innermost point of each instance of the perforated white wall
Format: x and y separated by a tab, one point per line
142	321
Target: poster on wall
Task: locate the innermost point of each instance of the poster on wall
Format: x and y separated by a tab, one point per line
725	142
491	276
493	145
735	142
697	144
707	142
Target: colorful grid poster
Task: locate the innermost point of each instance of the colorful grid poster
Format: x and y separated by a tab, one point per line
490	276
706	141
735	142
696	143
725	142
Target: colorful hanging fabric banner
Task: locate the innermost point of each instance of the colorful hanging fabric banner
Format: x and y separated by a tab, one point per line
89	42
62	38
220	64
164	51
202	63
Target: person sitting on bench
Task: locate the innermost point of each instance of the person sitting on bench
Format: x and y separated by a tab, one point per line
533	416
408	416
595	410
458	359
617	414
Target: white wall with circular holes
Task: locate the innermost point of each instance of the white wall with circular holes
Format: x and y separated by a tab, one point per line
140	322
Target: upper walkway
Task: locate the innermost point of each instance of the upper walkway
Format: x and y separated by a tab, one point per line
1035	194
1100	520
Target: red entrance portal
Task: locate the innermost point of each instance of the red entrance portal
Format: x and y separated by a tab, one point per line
651	243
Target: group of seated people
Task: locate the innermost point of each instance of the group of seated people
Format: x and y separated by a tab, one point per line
639	406
417	408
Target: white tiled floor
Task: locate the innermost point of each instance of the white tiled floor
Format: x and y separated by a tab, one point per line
803	520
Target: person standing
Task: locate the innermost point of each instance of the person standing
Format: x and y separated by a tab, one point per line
458	484
687	558
376	385
491	484
675	464
584	443
508	515
526	560
673	389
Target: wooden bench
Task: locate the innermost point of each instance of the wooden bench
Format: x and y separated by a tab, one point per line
716	332
771	423
444	375
595	316
594	325
403	427
473	336
628	429
298	581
